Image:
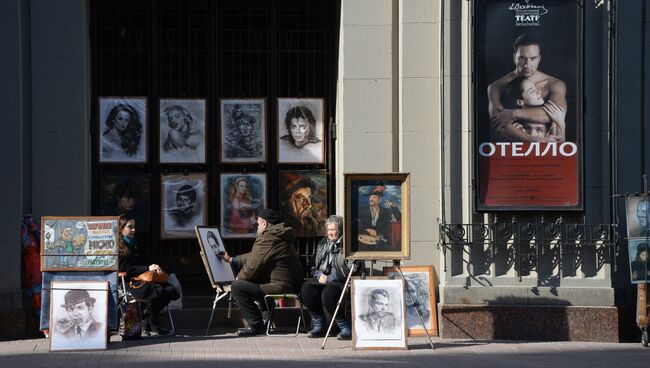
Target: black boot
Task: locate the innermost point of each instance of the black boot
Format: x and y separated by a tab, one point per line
346	328
318	326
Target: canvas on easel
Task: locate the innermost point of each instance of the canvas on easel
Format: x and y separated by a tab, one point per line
211	245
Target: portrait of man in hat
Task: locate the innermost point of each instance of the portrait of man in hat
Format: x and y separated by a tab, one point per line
80	323
304	198
376	223
242	130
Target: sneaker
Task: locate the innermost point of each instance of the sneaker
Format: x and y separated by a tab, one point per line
160	332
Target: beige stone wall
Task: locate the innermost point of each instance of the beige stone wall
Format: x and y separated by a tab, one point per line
388	105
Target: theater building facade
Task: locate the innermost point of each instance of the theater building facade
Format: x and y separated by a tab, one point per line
514	203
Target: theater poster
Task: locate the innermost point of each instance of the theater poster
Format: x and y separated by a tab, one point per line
527	114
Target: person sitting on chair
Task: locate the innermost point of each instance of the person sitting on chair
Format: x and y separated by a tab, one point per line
271	267
330	271
133	263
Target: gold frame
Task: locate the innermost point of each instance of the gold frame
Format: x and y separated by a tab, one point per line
405	252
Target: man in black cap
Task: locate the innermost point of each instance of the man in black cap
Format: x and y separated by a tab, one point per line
271	267
376	221
80	307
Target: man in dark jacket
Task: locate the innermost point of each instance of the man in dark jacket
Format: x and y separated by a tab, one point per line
271	267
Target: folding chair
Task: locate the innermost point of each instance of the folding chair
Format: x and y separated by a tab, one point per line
270	299
123	293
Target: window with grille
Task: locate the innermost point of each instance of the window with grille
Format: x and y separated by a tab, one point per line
208	50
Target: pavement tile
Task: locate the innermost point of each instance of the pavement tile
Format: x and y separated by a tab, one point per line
192	351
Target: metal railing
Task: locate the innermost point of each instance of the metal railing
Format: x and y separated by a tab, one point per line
549	250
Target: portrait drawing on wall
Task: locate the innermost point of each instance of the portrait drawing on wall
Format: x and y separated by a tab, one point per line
126	194
123	129
243	130
243	195
301	130
183	204
303	201
182	131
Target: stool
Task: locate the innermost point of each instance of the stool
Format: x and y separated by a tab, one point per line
270	299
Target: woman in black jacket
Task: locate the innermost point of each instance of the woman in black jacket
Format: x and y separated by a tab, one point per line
330	270
133	263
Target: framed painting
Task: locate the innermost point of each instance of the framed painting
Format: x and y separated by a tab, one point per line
243	130
76	276
122	130
78	315
377	216
219	271
638	222
182	131
79	243
419	281
301	130
378	313
303	201
183	204
638	251
126	193
242	196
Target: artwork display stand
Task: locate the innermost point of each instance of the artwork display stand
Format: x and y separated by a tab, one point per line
222	291
398	266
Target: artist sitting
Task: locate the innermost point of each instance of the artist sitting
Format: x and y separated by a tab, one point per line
133	263
271	267
330	271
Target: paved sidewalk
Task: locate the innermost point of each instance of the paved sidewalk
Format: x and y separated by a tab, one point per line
228	351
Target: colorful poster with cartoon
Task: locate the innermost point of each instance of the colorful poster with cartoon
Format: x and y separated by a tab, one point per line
79	244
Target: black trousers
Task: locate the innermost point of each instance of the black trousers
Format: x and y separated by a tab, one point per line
246	294
161	296
316	296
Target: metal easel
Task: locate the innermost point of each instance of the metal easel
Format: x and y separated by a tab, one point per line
222	292
398	265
